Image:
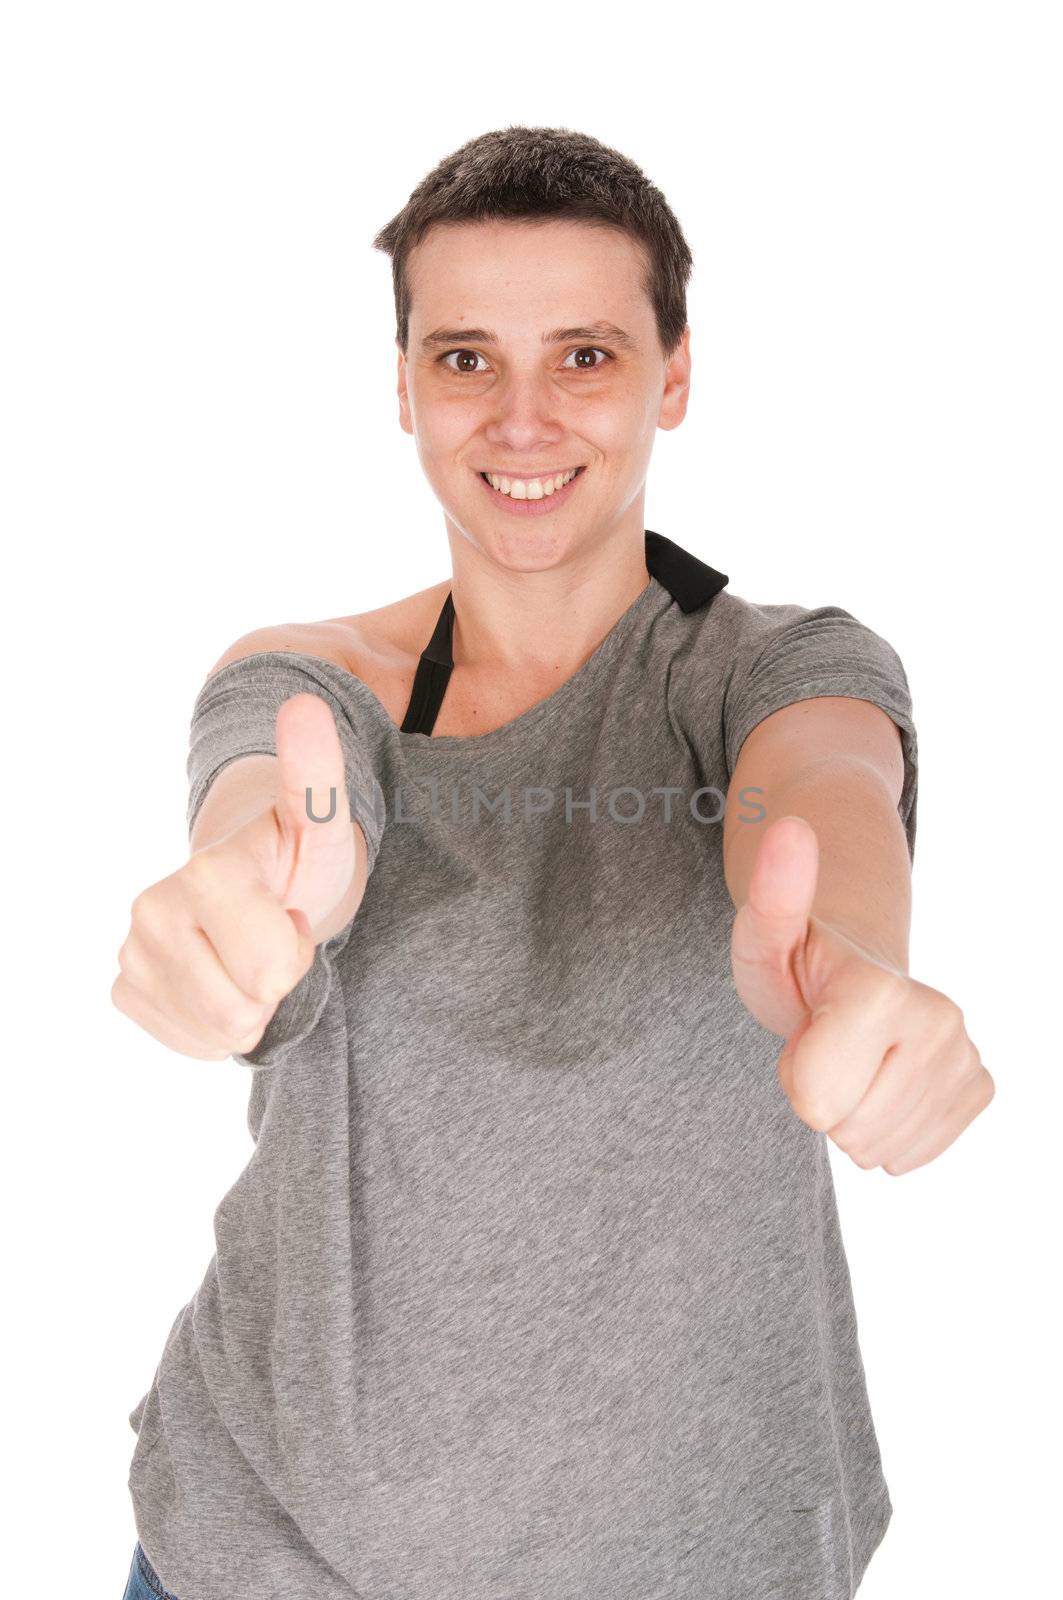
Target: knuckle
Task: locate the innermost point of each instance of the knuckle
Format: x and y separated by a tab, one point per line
950	1018
135	962
956	1069
131	958
986	1086
139	909
148	913
963	1066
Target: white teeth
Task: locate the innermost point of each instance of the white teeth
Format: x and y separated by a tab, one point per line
531	488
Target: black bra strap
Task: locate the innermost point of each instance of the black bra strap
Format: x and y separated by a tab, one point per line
690	582
432	675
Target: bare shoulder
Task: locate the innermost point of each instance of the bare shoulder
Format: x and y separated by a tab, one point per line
381	646
325	640
385	638
288	636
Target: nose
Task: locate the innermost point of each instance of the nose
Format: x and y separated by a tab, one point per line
524	416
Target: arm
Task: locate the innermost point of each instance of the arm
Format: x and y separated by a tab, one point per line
233	953
220	957
879	1061
836	762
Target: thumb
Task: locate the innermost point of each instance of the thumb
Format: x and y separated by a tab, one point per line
312	808
782	889
312	780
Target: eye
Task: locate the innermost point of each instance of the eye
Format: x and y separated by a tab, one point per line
466	360
464	356
587	350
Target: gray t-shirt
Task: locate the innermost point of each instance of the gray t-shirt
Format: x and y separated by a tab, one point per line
533	1286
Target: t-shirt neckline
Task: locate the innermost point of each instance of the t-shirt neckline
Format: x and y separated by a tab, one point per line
553	705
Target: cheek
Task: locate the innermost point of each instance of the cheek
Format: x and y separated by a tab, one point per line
439	435
623	415
623	428
445	426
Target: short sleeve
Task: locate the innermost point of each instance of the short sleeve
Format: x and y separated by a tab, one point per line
235	714
794	653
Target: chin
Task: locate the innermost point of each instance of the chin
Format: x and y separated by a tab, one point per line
528	547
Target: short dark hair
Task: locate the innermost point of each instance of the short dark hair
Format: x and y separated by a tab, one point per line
522	174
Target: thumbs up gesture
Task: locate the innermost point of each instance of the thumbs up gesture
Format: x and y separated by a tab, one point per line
880	1062
214	948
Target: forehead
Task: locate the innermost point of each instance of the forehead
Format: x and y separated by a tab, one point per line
521	272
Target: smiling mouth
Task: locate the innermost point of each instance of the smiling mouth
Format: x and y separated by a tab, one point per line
530	488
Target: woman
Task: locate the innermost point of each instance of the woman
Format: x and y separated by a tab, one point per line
533	1284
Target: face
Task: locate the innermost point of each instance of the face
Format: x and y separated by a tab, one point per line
533	353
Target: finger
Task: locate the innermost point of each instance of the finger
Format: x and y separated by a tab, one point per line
970	1103
185	982
836	1058
945	1087
139	1009
785	1063
256	944
918	1079
897	1090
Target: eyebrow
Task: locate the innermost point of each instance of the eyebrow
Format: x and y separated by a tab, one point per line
593	330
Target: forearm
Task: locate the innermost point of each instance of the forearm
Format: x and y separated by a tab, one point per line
242	790
864	883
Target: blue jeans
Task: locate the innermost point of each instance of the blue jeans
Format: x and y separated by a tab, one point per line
144	1582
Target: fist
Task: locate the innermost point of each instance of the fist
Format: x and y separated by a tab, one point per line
214	948
880	1062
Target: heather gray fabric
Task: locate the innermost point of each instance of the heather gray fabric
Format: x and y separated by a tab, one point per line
533	1287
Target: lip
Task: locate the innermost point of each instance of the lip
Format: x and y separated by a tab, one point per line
529	477
530	508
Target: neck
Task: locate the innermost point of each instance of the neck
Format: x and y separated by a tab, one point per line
543	623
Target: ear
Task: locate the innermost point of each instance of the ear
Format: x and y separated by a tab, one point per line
405	419
676	385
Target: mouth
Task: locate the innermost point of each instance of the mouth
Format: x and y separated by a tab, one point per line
531	496
540	487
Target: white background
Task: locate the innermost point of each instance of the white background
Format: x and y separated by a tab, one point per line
200	437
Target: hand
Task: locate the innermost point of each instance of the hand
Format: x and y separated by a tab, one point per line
214	948
880	1062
